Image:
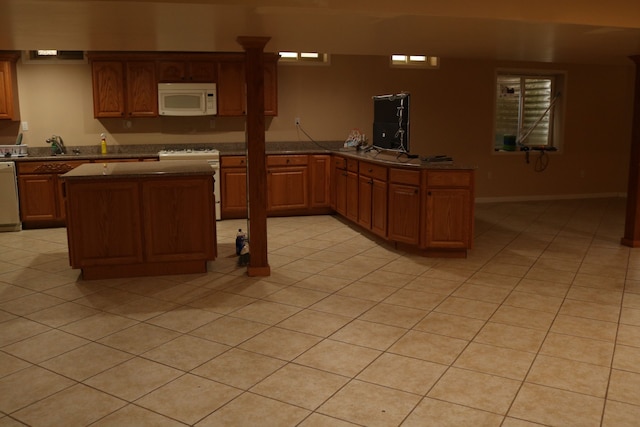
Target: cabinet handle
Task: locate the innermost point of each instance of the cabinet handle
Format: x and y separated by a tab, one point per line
370	170
429	193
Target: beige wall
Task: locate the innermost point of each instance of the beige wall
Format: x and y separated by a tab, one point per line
451	113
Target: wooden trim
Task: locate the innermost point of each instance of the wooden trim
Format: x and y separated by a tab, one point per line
256	154
632	222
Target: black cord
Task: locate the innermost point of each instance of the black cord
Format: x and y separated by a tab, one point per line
313	140
541	162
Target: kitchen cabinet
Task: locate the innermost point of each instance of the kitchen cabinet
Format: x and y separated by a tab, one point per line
287	183
448	208
372	198
187	71
404	206
231	87
9	105
319	181
40	192
233	187
428	210
140	219
297	184
124	88
345	187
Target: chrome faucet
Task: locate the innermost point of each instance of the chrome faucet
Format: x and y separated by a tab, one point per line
57	145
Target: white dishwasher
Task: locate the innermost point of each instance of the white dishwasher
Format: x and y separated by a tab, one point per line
9	211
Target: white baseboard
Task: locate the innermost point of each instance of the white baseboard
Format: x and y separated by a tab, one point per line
548	197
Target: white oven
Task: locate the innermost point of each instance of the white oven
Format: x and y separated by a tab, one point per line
208	154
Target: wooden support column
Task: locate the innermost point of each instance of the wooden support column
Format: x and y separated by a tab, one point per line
256	154
632	222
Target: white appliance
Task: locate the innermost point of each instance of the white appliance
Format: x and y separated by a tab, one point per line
187	99
9	209
210	155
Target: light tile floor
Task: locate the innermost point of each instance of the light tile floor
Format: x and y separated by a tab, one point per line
540	325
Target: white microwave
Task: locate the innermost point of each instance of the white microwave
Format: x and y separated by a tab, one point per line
187	99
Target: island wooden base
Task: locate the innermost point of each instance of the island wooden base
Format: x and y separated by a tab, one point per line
130	220
139	270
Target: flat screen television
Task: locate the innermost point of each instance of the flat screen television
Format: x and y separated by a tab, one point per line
391	122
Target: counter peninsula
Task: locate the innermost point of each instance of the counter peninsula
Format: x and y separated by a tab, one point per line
140	218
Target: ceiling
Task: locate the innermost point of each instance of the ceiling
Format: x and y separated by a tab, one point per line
572	31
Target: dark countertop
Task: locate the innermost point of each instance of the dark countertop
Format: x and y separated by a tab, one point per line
139	169
150	151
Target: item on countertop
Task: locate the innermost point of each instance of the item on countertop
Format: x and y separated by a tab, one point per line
57	145
241	238
355	139
103	143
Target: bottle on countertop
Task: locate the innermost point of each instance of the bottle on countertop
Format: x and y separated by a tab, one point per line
103	143
241	238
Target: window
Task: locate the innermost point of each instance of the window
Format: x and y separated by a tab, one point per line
415	61
48	54
304	57
527	111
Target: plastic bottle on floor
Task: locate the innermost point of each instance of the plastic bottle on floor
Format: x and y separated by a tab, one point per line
241	237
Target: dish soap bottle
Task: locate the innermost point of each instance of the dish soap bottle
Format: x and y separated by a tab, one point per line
103	143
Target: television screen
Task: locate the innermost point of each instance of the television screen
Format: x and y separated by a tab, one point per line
391	122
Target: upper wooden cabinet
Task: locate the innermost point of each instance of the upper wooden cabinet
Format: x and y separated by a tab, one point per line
125	84
176	71
9	108
124	88
232	96
231	87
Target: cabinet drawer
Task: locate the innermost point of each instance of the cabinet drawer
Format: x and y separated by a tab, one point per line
404	176
48	167
339	162
373	171
448	179
233	161
295	160
352	165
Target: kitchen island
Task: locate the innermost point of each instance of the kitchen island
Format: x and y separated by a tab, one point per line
140	218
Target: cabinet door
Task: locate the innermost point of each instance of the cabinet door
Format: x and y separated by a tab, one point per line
340	191
172	71
8	91
447	214
115	206
365	190
38	197
142	89
287	188
379	208
178	220
404	213
271	87
352	196
372	205
108	88
320	182
231	88
233	189
202	71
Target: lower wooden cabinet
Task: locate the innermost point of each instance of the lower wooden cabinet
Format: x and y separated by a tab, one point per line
404	206
140	226
233	187
40	192
426	209
449	208
297	184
